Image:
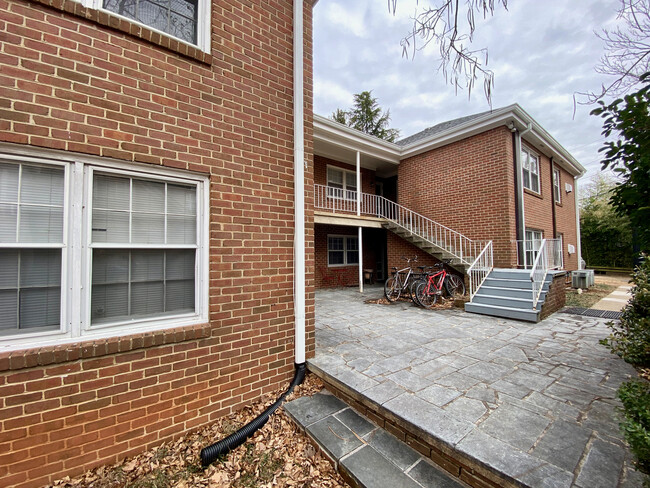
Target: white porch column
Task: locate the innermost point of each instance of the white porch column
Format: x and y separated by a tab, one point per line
359	188
360	259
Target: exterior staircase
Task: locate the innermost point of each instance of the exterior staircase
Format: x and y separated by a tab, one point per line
435	249
508	293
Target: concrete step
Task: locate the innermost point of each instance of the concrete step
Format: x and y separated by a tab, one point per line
505	312
503	301
521	284
508	273
364	454
508	292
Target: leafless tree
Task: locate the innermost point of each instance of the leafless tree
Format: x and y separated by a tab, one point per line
627	51
451	26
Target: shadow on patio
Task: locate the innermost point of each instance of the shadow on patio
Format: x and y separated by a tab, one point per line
493	401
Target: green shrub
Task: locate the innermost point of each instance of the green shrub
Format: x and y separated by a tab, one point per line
630	337
635	396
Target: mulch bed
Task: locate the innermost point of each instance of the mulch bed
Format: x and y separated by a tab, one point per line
277	455
441	303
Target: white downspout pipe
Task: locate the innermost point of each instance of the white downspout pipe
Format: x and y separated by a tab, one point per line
299	182
359	215
520	185
575	197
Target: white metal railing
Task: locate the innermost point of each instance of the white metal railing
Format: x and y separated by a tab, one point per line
480	269
527	252
538	272
344	201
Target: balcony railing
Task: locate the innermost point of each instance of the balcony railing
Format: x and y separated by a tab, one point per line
343	201
527	252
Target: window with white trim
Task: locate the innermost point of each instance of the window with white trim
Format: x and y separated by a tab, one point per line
557	194
88	249
532	244
342	250
530	169
186	20
341	183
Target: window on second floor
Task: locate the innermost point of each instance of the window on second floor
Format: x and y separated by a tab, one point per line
186	20
557	194
530	170
341	183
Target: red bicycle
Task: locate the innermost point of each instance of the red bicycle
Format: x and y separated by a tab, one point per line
428	290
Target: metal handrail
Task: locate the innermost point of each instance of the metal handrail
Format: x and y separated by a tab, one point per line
480	269
538	272
526	247
453	242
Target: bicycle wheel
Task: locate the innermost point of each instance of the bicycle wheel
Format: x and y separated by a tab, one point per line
426	295
455	286
392	289
413	290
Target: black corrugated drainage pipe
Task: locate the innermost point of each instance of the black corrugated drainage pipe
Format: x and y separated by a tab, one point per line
211	453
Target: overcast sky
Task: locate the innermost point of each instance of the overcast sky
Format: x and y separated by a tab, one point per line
542	52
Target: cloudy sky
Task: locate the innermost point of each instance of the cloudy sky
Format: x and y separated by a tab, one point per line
542	53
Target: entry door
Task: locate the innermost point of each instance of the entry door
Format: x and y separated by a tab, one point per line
533	243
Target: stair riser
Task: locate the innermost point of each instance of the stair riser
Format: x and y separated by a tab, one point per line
528	316
504	302
521	284
510	274
507	293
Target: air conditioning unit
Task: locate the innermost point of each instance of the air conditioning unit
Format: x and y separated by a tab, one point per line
568	187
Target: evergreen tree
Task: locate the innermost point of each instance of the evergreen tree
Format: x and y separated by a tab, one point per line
366	116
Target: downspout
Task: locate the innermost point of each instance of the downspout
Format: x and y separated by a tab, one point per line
575	197
211	453
553	199
519	188
360	231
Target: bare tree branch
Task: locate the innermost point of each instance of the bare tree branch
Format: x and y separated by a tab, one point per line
460	65
627	51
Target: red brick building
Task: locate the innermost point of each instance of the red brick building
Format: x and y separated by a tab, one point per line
146	222
496	176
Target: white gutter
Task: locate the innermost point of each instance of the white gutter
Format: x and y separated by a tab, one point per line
520	185
298	182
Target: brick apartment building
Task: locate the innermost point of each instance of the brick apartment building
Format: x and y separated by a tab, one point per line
148	216
462	174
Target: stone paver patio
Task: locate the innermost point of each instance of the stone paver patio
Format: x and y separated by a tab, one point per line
536	402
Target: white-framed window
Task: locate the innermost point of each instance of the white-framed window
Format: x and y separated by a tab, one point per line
341	183
185	20
532	244
530	169
557	194
90	249
342	250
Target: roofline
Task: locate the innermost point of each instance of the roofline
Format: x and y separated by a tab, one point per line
329	131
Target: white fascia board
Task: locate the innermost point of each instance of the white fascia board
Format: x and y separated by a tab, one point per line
326	130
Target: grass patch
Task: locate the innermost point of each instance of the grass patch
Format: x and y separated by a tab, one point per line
588	296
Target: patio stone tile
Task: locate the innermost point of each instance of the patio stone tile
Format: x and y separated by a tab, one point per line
308	410
392	449
369	468
445	346
572	396
355	380
482	392
429	418
514	425
555	408
439	395
510	352
355	422
410	381
600	415
458	381
334	437
466	409
384	391
394	363
548	476
433	369
563	444
430	476
602	466
528	378
512	389
487	372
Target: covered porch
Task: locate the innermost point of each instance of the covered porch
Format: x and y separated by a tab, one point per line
495	402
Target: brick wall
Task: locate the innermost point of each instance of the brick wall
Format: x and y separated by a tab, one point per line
538	210
70	83
556	296
467	186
